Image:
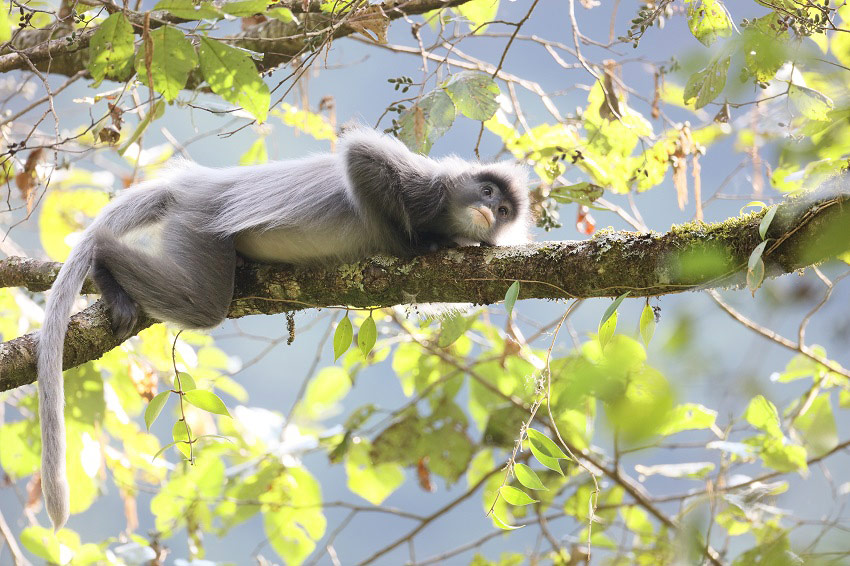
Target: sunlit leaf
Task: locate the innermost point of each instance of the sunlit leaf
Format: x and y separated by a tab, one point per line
231	74
515	496
173	57
766	220
367	335
474	94
810	103
707	84
206	400
154	408
708	20
342	337
647	324
527	477
511	296
111	49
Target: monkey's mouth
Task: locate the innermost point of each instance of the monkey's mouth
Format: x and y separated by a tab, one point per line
482	217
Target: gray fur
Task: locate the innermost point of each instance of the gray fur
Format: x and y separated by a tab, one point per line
169	246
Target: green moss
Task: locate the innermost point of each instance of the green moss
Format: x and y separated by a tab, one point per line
351	275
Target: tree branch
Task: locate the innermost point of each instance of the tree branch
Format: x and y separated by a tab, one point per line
56	50
694	256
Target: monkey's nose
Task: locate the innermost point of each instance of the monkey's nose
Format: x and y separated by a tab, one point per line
482	216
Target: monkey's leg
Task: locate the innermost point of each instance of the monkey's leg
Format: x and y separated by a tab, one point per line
188	282
123	311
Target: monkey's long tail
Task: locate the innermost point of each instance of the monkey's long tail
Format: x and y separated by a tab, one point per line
145	205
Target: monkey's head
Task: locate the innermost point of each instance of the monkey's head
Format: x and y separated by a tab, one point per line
489	205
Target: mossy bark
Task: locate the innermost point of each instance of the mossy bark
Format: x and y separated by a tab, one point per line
689	257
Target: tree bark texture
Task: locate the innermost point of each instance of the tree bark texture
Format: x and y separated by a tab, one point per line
63	50
695	256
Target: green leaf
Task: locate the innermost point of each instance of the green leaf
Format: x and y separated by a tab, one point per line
180	435
544	444
323	392
185	383
45	544
612	308
451	329
244	8
5	23
478	12
817	425
707	84
374	483
762	414
158	111
206	400
424	122
511	296
21	453
367	335
783	457
154	408
606	330
284	15
188	10
256	153
111	49
755	268
546	451
528	477
810	103
764	225
231	74
503	525
163	449
173	57
690	416
708	20
342	337
515	496
647	324
474	94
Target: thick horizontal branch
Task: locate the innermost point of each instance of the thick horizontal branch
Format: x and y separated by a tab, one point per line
62	50
693	256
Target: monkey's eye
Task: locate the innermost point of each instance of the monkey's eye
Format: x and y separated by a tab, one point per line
503	211
487	191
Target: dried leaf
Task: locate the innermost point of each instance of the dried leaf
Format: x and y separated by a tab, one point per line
423	474
371	22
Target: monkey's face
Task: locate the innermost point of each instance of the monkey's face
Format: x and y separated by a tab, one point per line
486	206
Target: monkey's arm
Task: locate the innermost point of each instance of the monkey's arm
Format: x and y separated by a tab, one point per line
389	179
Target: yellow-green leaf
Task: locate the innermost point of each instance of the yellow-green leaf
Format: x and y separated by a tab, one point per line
367	335
474	94
511	296
206	400
111	49
342	337
527	477
154	408
515	496
173	58
231	74
708	20
188	10
647	324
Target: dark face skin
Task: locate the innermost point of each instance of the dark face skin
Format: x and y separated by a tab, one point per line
483	209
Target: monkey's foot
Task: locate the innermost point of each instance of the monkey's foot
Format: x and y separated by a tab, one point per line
123	315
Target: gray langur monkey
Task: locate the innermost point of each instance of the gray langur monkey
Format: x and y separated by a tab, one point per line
168	246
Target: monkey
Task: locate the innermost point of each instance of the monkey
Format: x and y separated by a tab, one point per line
168	246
